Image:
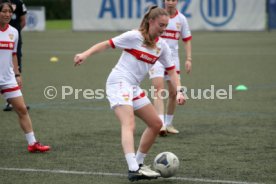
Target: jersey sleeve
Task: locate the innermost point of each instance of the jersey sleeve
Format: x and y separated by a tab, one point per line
15	41
22	8
165	57
185	31
123	41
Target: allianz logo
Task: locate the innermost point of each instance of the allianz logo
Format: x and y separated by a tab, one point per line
144	56
6	45
217	12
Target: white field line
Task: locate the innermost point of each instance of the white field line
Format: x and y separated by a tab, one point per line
70	52
120	175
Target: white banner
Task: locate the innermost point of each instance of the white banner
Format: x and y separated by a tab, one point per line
35	19
114	15
233	15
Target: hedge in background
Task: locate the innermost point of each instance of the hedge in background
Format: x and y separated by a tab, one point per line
55	9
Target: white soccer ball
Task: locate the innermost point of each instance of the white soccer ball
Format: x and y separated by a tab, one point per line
166	163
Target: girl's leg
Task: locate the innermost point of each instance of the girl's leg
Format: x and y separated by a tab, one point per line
158	84
158	102
149	116
26	125
172	99
126	117
171	106
23	115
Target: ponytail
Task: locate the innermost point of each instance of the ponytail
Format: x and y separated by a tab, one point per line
152	13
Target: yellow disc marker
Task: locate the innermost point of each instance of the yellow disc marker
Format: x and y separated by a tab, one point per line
53	59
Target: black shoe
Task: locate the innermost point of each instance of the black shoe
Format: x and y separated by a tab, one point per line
8	107
143	173
135	175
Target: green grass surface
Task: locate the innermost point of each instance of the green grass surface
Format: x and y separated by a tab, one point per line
58	24
226	140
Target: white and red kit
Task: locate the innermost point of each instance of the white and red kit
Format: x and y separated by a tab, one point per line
8	44
177	28
133	65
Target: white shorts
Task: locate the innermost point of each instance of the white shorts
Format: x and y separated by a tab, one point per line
10	91
158	70
123	93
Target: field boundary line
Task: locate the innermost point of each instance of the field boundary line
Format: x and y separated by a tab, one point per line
120	175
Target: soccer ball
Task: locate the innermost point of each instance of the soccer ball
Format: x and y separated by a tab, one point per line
166	163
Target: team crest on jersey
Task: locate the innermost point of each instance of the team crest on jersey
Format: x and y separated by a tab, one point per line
158	50
126	96
178	25
11	45
11	36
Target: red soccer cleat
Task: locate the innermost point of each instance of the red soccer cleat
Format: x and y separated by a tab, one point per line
37	147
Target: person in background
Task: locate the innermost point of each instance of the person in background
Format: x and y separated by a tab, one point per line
18	21
141	49
10	78
177	27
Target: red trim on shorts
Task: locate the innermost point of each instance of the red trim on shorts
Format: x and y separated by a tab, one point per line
140	96
187	39
170	68
111	43
14	53
166	73
10	90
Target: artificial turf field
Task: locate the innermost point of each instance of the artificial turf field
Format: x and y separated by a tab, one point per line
221	141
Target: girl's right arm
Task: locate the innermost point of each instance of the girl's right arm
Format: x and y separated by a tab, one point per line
99	47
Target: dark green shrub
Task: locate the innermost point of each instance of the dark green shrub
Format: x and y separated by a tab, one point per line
55	9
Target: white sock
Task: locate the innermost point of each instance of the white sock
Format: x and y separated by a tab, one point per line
30	138
131	162
140	157
161	116
168	120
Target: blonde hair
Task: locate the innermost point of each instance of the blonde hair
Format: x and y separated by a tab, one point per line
152	13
